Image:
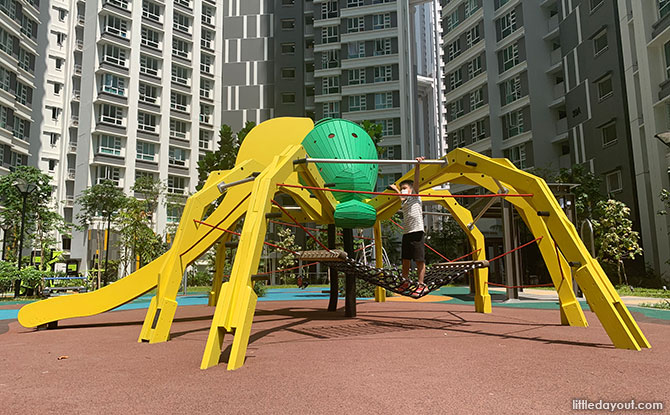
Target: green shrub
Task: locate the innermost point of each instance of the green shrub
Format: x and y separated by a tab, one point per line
199	279
363	289
8	273
260	288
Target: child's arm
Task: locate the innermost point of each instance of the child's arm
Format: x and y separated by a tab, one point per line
417	174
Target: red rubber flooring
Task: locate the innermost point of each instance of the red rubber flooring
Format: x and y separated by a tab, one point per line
395	357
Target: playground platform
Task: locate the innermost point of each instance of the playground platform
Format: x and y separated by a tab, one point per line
395	357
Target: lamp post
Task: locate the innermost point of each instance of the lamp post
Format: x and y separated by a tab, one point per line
25	189
664	138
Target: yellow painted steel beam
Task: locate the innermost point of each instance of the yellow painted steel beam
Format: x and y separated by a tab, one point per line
380	292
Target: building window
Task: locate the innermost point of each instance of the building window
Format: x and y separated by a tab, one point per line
381	21
288	98
454	49
104	173
456	109
208	14
356	50
329	9
331	84
478	130
600	43
471	6
663	7
355	24
109	144
150	38
356	76
55	113
513	123
666	50
357	103
180	75
145	151
113	84
510	56
206	63
149	65
288	48
388	127
207	39
455	79
111	114
330	34
116	26
476	99
382	47
179	129
288	24
511	90
458	139
451	21
354	3
114	55
330	59
517	155
151	11
206	88
608	133
475	67
176	185
181	22
181	48
472	36
331	110
595	3
177	156
383	73
146	122
507	24
179	101
204	140
174	213
384	100
605	88
614	183
148	93
206	112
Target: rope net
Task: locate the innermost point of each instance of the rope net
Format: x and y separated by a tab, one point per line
437	275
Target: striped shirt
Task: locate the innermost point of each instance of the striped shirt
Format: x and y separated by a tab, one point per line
412	214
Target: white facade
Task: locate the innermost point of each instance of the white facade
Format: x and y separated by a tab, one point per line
645	34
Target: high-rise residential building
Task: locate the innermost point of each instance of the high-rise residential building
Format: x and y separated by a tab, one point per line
19	21
374	60
541	83
645	29
142	97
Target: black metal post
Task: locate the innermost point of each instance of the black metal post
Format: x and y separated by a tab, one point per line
17	283
350	280
109	220
332	274
4	242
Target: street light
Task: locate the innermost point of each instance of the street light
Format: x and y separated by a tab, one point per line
664	138
25	189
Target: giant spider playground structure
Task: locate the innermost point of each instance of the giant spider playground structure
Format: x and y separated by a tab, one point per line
330	171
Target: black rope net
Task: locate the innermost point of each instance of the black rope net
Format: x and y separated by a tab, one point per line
437	275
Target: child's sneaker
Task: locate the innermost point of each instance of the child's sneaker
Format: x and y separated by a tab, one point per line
420	291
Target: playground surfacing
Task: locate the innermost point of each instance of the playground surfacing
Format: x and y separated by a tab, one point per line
395	357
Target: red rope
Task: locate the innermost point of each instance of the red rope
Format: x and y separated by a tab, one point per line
425	244
238	234
317	230
519	286
299	224
515	249
466	255
404	195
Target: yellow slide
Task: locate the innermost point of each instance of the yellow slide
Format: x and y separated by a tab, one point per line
94	302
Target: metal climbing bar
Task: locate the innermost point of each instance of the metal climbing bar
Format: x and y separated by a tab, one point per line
442	162
446	196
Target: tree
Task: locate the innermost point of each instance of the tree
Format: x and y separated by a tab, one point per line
224	157
286	240
376	133
588	192
665	198
615	238
41	221
102	200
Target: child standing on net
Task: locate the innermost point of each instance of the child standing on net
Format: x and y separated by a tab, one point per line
413	232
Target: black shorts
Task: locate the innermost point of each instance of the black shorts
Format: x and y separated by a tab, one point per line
412	246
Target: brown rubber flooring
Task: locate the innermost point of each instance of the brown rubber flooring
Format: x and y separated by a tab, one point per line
395	357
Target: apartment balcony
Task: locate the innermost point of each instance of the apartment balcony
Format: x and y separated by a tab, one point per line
77	69
70	174
552	23
562	126
556	57
76	95
72	147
